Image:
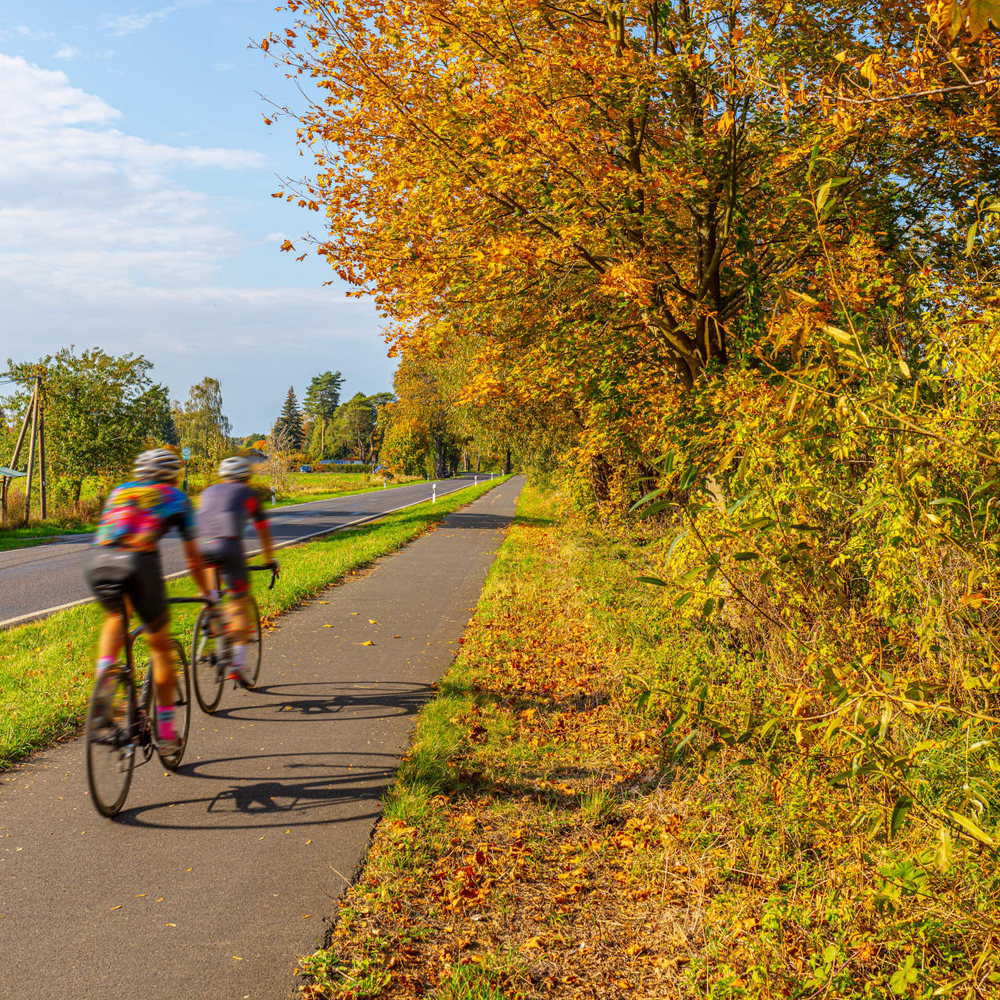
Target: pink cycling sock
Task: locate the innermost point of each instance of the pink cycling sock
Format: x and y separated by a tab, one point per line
239	655
165	723
103	662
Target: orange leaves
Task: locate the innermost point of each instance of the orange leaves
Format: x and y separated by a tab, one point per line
949	16
287	245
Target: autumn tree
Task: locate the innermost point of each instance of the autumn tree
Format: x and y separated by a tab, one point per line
609	199
201	423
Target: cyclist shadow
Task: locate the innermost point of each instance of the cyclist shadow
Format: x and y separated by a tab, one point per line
257	801
317	700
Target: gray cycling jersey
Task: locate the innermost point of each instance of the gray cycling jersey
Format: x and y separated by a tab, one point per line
224	509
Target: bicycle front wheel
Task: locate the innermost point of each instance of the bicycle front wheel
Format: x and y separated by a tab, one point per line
109	733
206	661
182	706
255	647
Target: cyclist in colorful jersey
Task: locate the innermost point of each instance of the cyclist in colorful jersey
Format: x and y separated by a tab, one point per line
124	563
223	512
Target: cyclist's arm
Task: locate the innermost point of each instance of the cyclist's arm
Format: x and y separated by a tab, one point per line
256	511
264	534
186	525
196	567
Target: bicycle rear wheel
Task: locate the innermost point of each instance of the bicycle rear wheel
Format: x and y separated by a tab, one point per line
206	661
109	733
182	706
255	647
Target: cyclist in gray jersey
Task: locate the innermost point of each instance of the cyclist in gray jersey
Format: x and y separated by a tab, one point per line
223	512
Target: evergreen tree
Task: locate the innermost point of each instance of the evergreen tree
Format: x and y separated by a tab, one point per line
321	402
289	424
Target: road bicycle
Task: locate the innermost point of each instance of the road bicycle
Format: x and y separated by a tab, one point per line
211	651
121	727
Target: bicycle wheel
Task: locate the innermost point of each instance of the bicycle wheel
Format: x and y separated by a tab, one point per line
182	706
255	647
206	661
110	736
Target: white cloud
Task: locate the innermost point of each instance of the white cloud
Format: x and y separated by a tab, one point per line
127	24
34	36
91	210
102	242
67	52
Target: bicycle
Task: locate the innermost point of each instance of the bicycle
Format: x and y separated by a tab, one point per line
210	652
121	726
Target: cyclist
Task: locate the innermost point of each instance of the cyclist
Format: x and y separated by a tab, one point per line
124	564
223	511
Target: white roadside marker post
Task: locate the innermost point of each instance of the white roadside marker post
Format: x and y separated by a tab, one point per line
434	493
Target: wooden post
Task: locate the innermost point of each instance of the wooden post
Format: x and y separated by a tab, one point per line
43	483
17	455
31	454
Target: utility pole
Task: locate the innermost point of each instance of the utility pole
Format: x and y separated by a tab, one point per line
31	454
43	484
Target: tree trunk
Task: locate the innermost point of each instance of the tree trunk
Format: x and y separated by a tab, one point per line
439	464
506	462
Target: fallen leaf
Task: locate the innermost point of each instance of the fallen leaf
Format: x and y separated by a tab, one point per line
118	907
371	621
368	643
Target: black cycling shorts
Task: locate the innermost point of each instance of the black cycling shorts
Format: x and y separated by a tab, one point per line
113	573
227	554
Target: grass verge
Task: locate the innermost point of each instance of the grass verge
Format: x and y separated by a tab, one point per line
37	534
558	830
46	667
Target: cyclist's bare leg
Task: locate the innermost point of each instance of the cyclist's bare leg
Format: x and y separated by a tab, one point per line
111	640
238	620
164	678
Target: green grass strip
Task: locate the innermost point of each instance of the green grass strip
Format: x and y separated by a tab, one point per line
46	667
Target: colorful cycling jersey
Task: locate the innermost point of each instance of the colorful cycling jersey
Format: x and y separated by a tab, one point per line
137	515
223	510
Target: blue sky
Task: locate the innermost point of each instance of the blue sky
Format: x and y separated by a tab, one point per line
135	207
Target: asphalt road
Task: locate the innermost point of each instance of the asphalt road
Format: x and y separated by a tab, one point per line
45	578
212	880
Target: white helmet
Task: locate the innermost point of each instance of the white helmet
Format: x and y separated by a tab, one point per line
235	468
159	465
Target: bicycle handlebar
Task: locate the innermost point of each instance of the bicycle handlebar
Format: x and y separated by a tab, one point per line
266	566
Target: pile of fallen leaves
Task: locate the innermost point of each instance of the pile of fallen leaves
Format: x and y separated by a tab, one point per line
525	849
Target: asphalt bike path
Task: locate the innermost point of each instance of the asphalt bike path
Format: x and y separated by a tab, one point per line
37	580
214	879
